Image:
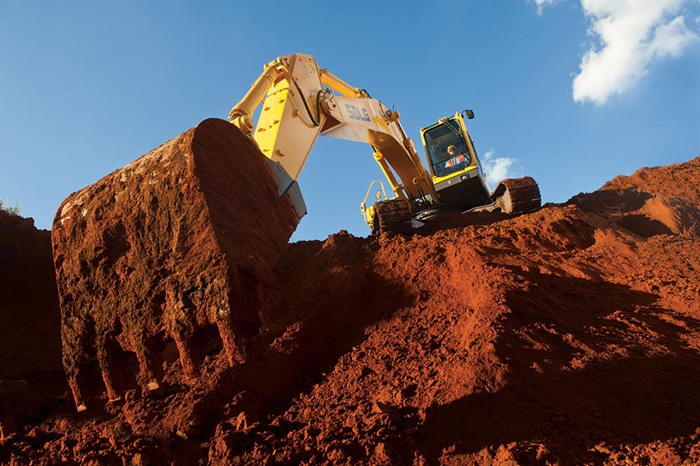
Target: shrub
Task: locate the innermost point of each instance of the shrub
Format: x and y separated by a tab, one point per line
9	209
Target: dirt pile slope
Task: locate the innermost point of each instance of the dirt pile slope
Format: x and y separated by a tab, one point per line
566	336
30	339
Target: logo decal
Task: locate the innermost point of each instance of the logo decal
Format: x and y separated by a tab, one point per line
355	114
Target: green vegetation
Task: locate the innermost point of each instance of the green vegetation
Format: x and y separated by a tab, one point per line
9	209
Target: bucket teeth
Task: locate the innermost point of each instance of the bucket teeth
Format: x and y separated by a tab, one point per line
152	385
111	343
112	368
78	395
108	379
188	360
106	360
232	345
146	374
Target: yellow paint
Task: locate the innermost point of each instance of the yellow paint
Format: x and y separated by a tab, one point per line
297	108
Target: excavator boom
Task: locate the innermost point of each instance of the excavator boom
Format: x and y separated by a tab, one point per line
301	101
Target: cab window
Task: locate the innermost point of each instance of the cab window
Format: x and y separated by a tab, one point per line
438	140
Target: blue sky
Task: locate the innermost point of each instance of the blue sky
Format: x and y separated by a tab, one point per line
571	92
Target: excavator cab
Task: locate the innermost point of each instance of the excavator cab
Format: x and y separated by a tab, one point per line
455	167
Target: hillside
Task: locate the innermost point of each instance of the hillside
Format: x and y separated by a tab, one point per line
566	336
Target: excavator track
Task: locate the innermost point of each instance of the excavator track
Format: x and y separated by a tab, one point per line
392	215
517	195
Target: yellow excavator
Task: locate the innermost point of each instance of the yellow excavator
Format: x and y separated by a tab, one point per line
188	258
301	101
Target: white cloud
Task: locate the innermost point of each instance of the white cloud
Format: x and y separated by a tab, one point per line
499	168
541	4
630	35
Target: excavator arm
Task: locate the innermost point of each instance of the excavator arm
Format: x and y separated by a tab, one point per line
301	101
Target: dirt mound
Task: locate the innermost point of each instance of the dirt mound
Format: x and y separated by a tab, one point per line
567	336
30	339
680	180
660	200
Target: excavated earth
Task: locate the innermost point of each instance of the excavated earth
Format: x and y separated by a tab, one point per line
156	256
567	336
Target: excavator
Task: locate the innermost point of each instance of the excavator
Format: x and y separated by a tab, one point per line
183	240
300	101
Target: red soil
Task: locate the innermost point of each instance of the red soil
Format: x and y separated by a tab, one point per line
178	243
30	341
566	336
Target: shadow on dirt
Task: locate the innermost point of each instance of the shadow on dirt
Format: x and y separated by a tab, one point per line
588	357
319	321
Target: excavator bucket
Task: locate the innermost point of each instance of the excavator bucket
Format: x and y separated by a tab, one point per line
180	241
